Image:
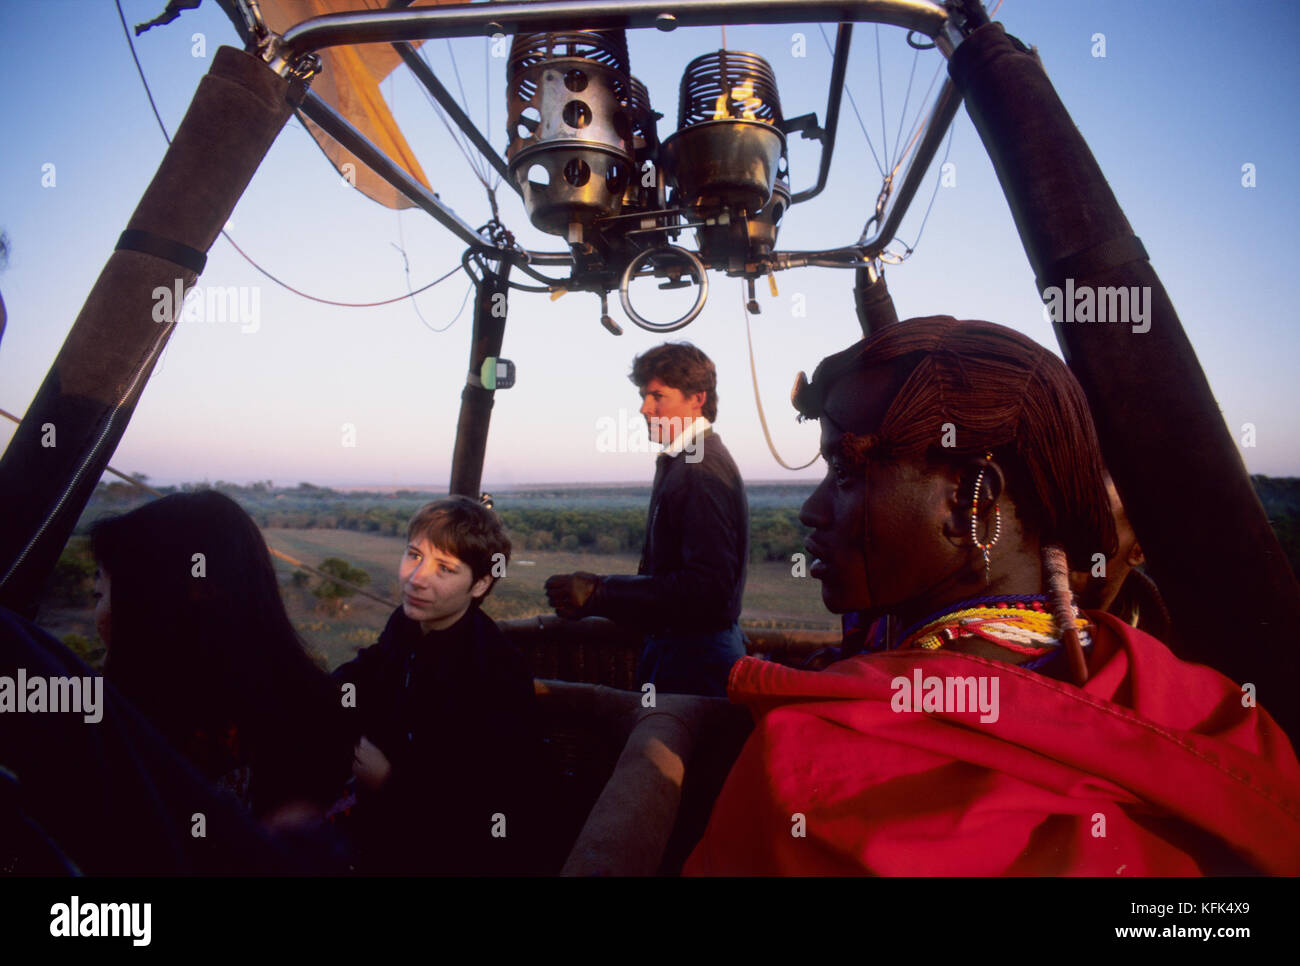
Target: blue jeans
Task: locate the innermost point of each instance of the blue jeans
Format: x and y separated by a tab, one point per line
683	663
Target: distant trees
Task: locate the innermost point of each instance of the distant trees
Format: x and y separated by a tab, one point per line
330	593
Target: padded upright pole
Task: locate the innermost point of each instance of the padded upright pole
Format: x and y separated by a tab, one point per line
1234	601
872	300
82	408
476	401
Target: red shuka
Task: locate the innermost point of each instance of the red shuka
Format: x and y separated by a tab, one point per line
1154	767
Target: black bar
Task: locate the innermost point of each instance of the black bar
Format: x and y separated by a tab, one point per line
475	20
490	303
843	38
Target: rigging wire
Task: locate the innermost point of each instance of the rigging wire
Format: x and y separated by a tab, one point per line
167	137
902	114
457	135
401	237
880	88
921	118
346	305
758	401
487	100
140	70
933	195
854	104
407	266
480	163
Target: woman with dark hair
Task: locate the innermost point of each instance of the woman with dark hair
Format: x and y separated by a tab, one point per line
198	639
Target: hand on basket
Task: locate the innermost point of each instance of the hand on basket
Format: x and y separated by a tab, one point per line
570	594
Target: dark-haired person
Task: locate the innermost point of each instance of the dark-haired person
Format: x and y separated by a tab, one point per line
104	793
445	706
1120	587
689	586
190	612
1002	731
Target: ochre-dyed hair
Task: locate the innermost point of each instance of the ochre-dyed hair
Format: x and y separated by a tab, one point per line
464	528
1002	393
680	366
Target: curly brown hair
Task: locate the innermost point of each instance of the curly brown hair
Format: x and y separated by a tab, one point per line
680	366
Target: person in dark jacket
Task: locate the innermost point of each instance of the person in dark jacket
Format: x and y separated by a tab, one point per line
198	639
689	586
444	707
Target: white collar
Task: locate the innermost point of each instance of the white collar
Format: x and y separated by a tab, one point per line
697	429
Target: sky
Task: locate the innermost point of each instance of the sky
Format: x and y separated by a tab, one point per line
1186	94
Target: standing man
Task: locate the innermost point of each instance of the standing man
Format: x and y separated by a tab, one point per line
688	589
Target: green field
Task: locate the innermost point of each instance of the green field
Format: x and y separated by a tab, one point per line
773	598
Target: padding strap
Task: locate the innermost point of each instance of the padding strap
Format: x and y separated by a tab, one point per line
147	243
1099	258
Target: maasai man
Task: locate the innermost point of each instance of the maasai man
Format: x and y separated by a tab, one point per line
1001	731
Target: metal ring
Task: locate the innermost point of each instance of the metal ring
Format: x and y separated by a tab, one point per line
916	46
697	272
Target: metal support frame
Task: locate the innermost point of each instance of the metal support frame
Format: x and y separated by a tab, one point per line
945	109
490	304
340	129
399	26
476	20
839	65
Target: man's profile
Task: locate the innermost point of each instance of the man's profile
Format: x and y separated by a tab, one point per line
688	588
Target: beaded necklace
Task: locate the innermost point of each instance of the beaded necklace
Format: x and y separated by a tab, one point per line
1021	623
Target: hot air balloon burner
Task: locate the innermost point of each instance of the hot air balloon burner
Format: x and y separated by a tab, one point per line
742	244
724	154
646	187
571	121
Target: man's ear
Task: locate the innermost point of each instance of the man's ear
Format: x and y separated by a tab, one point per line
1136	558
481	586
699	399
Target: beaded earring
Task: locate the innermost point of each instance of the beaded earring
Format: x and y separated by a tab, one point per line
974	518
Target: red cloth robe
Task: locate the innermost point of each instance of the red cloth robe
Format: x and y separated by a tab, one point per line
1154	767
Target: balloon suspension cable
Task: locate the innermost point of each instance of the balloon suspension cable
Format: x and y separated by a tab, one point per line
758	401
226	235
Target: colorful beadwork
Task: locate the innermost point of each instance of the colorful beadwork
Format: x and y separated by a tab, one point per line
1020	624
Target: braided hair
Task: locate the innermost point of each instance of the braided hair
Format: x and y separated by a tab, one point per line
983	387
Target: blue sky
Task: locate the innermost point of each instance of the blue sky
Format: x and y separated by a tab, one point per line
1186	94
